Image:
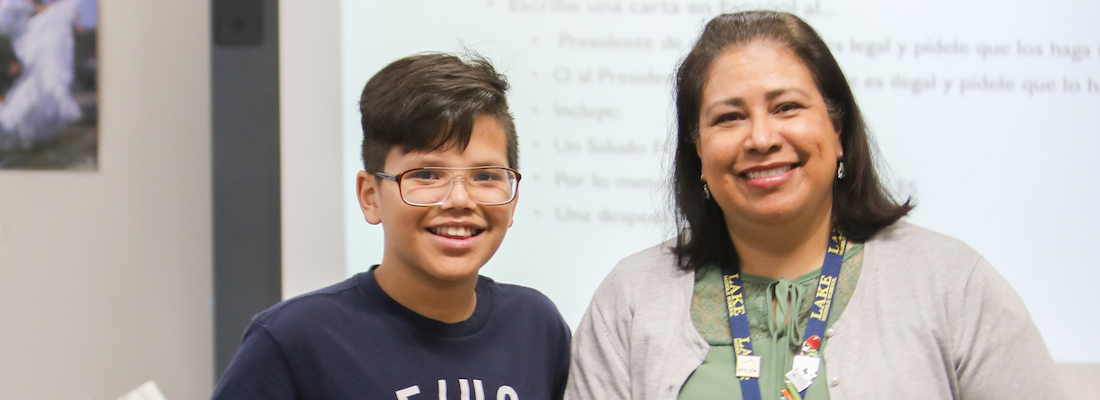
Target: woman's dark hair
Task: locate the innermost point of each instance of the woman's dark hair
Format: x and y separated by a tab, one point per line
428	102
861	204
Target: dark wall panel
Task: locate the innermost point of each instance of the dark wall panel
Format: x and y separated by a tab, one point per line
247	251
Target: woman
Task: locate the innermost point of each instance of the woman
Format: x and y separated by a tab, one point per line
792	256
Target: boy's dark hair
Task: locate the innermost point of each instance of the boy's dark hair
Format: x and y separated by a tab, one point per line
429	102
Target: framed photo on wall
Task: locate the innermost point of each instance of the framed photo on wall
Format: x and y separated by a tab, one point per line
48	85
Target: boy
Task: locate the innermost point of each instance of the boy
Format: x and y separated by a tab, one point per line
439	153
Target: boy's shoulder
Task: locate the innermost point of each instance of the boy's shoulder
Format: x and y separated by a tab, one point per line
318	306
515	301
354	300
516	292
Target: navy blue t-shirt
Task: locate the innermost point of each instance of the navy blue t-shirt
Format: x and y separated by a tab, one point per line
352	341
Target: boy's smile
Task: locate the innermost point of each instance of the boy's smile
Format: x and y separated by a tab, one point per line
457	237
456	232
441	245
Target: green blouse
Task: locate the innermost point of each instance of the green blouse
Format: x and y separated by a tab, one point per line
775	337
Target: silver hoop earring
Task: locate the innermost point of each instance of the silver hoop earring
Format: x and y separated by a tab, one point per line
840	173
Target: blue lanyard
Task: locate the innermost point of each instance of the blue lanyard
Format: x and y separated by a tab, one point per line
815	327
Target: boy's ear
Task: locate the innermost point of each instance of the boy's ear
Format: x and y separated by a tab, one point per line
512	214
367	188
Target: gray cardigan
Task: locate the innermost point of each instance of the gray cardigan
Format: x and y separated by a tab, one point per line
929	319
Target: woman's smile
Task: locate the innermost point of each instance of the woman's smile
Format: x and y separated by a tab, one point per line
768	176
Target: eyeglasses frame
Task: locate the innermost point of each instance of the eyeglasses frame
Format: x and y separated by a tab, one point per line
397	179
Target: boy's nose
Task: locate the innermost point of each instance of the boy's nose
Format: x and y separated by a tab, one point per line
457	195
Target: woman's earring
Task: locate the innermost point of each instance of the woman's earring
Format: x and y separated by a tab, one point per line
706	191
840	173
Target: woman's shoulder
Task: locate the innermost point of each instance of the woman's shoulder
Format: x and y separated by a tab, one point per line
908	240
651	271
909	252
656	263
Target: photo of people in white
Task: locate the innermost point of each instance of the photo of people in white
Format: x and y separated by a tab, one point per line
48	99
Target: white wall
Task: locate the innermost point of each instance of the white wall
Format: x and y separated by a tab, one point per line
309	84
105	277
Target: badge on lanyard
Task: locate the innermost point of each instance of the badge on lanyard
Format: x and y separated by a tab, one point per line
748	366
808	361
805	366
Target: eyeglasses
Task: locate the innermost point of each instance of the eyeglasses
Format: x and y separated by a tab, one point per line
488	186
